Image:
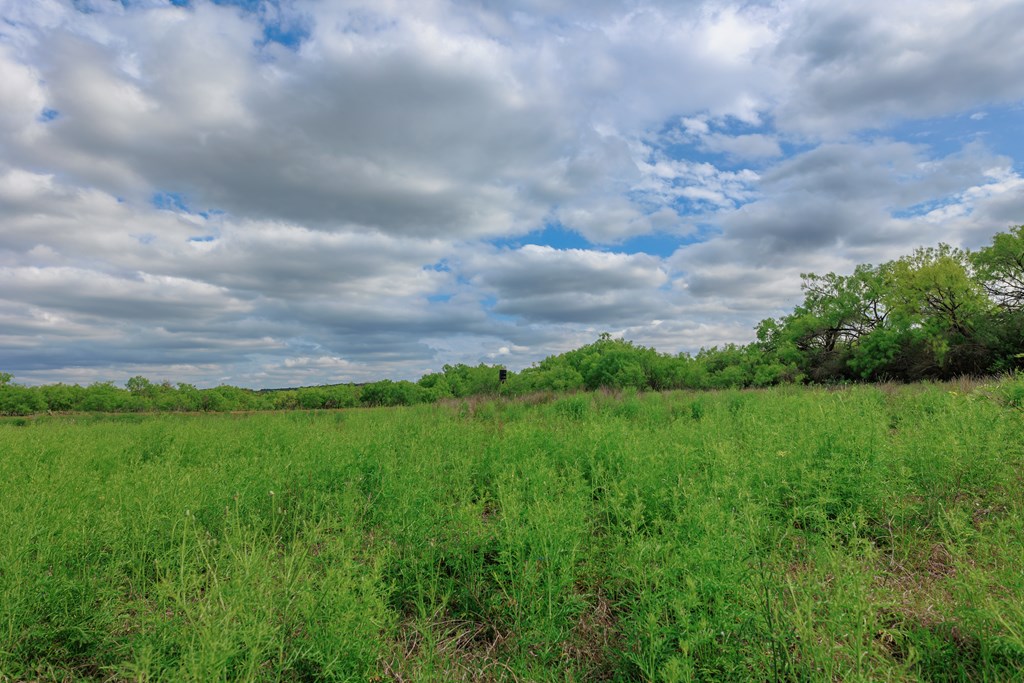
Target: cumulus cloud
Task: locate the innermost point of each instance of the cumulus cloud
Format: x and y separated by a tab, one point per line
839	205
543	284
306	191
752	146
861	64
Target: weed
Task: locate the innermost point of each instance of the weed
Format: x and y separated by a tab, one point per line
867	533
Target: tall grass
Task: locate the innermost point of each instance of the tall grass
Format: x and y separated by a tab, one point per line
788	534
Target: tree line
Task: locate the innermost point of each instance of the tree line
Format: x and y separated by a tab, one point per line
938	313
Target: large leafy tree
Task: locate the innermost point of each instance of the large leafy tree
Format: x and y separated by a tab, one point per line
934	288
837	311
1000	269
941	309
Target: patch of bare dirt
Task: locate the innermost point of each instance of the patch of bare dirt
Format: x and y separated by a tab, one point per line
594	640
466	651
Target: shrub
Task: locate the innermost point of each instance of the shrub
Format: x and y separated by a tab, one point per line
19	400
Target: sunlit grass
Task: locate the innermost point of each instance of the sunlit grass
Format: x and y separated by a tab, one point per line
790	534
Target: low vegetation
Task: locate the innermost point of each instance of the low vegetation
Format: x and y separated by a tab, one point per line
857	533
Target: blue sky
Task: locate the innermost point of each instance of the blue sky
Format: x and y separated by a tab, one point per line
297	192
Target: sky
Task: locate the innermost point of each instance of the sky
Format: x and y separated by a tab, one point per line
272	193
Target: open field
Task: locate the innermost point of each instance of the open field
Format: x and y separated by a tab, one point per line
870	533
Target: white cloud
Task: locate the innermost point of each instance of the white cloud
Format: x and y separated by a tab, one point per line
859	64
22	99
327	204
753	146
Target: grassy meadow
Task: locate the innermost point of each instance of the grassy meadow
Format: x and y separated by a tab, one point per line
867	533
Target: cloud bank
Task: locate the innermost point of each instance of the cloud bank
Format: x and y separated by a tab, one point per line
294	192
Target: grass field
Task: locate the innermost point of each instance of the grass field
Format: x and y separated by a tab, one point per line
870	533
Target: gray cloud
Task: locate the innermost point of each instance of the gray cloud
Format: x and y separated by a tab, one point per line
752	146
839	205
538	269
144	297
543	284
391	139
339	194
861	64
839	196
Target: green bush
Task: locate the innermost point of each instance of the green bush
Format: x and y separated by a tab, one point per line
19	400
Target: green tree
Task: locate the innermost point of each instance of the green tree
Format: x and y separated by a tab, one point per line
139	386
189	397
19	400
226	398
933	287
389	393
341	396
933	296
819	335
105	397
312	398
550	375
60	397
436	385
1000	268
464	380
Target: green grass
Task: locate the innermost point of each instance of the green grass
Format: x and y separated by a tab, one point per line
873	533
